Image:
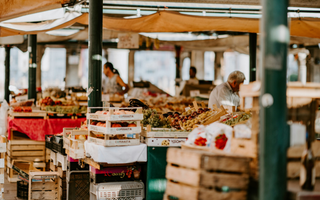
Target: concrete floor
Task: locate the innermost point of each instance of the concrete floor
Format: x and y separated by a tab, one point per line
10	189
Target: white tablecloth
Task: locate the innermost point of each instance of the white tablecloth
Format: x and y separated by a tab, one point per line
116	155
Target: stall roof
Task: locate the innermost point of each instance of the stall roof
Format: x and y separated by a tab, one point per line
16	8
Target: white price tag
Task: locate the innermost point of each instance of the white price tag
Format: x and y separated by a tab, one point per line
194	93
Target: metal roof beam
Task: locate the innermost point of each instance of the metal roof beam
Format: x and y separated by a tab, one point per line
293	3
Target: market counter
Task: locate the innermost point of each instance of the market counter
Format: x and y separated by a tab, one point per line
36	129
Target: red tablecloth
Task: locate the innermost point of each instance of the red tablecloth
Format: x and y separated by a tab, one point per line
36	129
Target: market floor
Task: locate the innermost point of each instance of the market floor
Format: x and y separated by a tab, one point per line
10	189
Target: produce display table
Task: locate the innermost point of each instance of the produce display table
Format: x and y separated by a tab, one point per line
36	129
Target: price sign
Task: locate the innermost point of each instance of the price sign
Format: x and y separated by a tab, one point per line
194	93
128	41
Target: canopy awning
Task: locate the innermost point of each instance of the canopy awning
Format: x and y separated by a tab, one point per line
167	21
163	21
16	8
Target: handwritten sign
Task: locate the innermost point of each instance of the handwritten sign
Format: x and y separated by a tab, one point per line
128	41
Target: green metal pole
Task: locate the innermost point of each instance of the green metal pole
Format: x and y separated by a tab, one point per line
95	53
274	132
32	48
7	74
253	55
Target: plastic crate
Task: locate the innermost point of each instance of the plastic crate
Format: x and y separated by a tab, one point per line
22	189
78	185
125	190
115	174
48	141
57	145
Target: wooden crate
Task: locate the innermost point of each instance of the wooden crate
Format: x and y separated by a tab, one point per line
21	147
53	167
43	185
202	175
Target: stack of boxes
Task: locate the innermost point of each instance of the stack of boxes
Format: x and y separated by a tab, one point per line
114	127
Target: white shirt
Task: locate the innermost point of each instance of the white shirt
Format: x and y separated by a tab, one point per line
223	95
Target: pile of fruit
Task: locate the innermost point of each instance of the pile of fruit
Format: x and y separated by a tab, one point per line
47	102
22	109
114	125
191	117
235	119
151	117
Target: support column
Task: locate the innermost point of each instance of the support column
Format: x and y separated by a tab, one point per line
217	66
253	55
131	68
32	48
274	131
178	61
95	53
7	74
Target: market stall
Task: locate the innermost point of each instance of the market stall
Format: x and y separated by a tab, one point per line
122	151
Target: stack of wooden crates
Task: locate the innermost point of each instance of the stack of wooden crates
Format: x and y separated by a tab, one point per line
20	147
201	175
298	95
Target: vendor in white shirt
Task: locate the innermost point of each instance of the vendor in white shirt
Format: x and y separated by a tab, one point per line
227	93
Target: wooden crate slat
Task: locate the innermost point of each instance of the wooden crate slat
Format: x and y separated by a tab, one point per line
293	169
208	161
185	192
27	153
25	142
26	147
206	179
43	186
245	147
183	175
190	159
182	191
296	151
31	158
48	195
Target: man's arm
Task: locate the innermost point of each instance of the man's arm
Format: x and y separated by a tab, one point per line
122	84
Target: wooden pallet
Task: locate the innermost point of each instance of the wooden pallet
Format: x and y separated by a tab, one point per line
201	175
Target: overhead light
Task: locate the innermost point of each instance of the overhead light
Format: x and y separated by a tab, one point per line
135	16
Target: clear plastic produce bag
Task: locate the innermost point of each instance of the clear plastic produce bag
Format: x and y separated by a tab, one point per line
3	117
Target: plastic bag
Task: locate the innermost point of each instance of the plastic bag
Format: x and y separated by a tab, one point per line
242	131
3	117
199	132
220	136
215	136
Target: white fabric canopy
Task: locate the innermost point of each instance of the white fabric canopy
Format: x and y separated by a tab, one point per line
47	25
41	16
